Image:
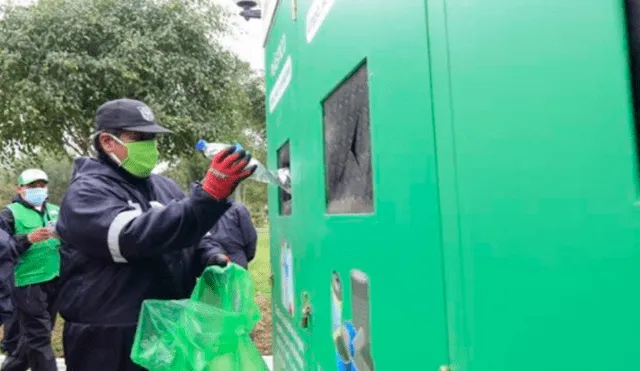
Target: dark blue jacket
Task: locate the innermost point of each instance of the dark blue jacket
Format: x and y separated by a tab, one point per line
235	233
126	239
8	257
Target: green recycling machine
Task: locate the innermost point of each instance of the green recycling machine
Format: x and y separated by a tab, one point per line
465	186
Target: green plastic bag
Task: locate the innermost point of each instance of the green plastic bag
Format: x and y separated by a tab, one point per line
208	332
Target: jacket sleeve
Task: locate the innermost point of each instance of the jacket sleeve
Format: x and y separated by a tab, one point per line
206	249
8	254
98	222
7	224
249	234
8	257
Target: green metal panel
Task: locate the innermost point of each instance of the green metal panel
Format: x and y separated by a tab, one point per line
502	237
398	245
538	184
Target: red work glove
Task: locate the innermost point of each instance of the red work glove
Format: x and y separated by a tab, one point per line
221	260
226	172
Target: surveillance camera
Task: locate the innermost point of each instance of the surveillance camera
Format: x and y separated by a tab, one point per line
248	14
246	4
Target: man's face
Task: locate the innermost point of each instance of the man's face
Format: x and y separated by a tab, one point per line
111	145
22	190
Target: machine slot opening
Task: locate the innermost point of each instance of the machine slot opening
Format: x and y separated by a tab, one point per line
284	198
347	146
632	8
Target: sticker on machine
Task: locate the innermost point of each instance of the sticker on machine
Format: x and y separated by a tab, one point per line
281	85
315	17
352	337
286	274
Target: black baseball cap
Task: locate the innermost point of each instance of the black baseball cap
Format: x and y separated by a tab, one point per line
128	114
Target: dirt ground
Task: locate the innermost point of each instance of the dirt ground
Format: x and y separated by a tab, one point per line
262	335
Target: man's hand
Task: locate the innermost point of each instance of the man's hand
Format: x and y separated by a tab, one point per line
39	235
220	260
226	172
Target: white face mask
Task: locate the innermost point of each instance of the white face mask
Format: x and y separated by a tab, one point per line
36	196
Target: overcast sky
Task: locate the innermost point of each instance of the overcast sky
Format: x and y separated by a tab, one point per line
247	42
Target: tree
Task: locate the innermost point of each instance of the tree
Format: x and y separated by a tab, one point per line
61	59
58	168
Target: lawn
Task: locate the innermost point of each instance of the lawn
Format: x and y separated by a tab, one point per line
260	269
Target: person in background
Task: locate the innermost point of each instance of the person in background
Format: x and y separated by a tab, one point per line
36	271
130	235
8	317
235	233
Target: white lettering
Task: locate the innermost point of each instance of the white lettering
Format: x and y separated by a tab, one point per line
292	351
278	55
289	349
315	17
290	330
281	85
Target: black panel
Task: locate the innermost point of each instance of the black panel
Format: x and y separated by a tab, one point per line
347	147
633	29
284	198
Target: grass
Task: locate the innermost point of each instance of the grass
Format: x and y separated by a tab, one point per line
260	269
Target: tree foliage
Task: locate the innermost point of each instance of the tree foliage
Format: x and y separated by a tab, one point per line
61	59
57	166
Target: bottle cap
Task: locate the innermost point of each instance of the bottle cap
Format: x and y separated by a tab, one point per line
201	145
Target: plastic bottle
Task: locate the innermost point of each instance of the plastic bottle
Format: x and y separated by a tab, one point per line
52	228
281	177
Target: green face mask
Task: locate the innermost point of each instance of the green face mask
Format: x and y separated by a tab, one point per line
142	157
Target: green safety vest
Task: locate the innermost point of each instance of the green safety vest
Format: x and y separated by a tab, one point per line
41	262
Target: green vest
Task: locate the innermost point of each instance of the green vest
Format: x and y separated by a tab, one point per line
41	262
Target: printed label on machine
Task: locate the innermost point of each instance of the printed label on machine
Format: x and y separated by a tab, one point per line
288	346
286	277
352	339
281	85
316	16
276	59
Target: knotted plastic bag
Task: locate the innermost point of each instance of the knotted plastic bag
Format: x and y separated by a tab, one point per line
208	332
